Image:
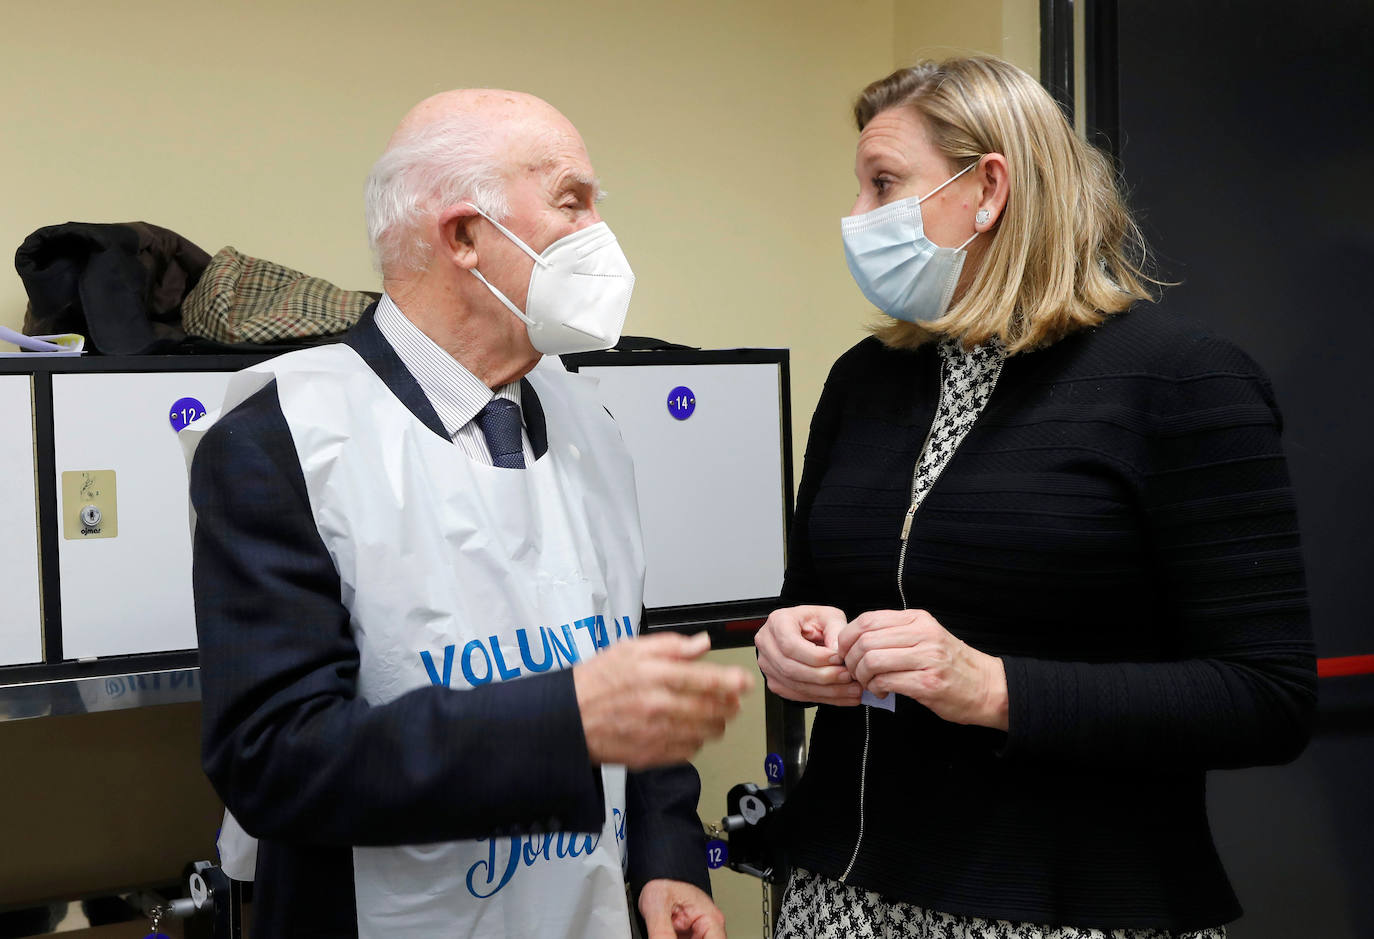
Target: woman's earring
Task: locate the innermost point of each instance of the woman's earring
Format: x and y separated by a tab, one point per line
981	216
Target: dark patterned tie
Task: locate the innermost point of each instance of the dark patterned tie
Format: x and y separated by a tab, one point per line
500	423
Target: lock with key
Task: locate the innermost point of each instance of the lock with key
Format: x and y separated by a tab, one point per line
215	901
89	507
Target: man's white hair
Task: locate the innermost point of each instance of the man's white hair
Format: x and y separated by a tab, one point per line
430	167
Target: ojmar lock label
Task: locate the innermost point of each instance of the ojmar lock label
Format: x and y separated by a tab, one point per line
89	508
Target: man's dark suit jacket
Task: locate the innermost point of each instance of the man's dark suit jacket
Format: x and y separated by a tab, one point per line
309	767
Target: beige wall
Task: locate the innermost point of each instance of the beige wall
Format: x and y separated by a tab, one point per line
937	29
102	801
720	129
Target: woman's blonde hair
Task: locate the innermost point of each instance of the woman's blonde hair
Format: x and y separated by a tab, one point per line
1065	253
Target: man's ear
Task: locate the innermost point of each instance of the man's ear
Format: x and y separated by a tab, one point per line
456	234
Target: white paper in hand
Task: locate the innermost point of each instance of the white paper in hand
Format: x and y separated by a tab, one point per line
888	703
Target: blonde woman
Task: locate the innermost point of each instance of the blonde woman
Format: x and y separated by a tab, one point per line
1045	569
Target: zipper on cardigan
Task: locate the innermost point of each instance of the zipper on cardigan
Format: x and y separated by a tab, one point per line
901	561
907	521
915	474
863	777
913	508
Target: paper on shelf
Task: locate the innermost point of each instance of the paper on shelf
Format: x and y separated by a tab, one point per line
59	344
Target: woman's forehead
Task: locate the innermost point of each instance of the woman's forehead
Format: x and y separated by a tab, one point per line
896	132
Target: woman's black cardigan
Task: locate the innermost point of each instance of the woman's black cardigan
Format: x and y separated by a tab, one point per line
1120	528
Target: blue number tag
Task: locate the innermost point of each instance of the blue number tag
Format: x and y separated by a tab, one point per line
773	768
183	411
157	935
681	402
717	853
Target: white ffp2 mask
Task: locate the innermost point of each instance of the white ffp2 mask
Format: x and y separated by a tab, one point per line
579	290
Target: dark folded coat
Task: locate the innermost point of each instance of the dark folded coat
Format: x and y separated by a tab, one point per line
119	285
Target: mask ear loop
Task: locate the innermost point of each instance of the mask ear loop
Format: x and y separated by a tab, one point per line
538	259
502	297
523	247
918	201
927	196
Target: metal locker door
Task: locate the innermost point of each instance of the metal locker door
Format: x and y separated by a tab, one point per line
706	441
21	626
126	579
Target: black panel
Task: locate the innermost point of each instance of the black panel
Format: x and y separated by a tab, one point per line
1056	51
1249	150
49	522
1100	94
1247	141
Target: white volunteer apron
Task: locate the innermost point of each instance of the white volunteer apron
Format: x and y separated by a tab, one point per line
458	573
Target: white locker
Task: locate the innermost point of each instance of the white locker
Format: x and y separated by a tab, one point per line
709	475
128	592
21	626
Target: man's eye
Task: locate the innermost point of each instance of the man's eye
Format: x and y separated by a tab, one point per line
880	184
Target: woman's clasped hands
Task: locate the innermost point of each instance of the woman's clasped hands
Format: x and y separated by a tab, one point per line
816	655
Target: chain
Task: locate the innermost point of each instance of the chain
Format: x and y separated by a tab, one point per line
155	914
766	908
767	913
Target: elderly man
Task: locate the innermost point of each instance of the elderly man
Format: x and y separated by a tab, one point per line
418	579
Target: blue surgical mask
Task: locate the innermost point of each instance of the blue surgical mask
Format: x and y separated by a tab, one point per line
900	270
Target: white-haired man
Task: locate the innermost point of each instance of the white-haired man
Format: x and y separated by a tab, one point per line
418	579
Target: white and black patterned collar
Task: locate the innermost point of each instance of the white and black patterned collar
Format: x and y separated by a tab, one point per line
980	356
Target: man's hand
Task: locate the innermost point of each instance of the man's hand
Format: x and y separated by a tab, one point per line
673	909
910	653
645	703
799	655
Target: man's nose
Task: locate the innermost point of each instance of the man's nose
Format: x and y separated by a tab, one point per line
589	218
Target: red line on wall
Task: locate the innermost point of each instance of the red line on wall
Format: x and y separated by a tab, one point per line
1326	668
1345	665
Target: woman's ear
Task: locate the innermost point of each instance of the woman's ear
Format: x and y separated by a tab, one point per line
994	182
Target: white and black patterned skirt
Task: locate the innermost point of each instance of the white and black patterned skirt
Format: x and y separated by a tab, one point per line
817	907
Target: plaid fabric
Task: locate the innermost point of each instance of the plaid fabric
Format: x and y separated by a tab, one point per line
246	299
